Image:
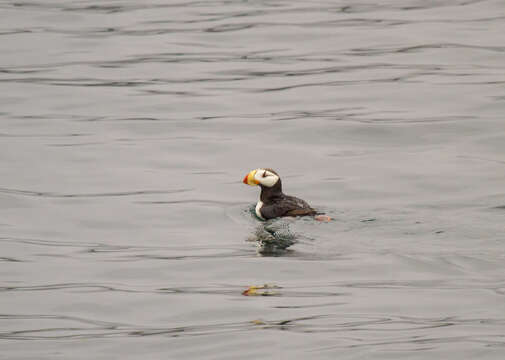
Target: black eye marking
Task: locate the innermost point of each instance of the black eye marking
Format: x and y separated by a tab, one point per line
265	174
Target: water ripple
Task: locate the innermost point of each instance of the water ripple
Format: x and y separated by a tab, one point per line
89	195
390	112
398	327
49	287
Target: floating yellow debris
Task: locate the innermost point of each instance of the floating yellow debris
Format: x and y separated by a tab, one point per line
262	290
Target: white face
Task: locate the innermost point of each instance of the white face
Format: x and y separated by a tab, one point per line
266	178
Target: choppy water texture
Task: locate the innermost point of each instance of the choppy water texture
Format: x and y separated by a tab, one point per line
127	126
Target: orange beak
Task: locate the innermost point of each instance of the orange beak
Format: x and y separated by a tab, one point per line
249	179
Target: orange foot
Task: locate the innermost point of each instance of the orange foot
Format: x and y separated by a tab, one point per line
324	218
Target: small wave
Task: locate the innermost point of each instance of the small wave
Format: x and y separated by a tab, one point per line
89	195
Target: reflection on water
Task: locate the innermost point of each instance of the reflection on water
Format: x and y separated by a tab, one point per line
125	128
274	237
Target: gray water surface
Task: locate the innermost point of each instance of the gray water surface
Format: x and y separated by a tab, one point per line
126	128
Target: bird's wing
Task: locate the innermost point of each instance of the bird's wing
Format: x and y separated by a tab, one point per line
273	211
300	212
289	206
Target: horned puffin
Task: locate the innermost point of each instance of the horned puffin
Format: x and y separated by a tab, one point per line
273	202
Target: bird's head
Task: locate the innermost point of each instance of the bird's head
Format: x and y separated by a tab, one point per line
262	177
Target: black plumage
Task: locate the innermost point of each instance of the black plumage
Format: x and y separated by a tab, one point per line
277	204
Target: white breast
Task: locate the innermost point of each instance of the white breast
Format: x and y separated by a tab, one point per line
259	205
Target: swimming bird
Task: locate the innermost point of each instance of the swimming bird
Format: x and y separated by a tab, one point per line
273	202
